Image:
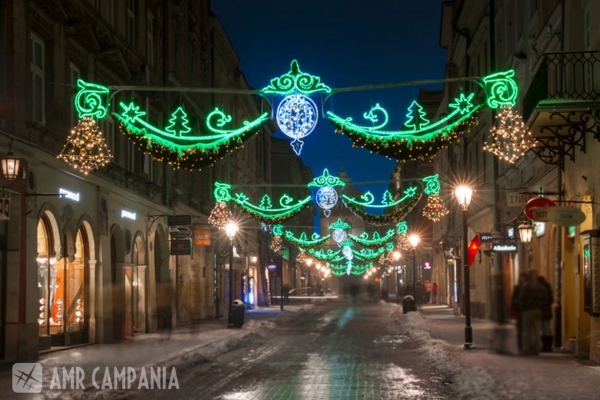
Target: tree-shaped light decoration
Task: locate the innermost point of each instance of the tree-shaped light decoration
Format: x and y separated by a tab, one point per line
509	138
178	123
220	215
86	149
416	116
435	208
276	243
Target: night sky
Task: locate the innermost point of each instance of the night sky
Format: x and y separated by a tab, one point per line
346	43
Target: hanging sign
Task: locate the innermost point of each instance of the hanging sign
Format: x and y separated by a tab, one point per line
486	237
516	199
504	247
181	247
174	220
5	206
538	202
566	216
201	237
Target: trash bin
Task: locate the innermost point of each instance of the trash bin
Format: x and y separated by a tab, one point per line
238	313
408	304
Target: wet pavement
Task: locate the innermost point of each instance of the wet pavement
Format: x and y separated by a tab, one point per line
321	350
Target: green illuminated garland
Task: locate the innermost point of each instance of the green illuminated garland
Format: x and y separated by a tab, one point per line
302	241
376	240
384	219
368	254
326	180
388	200
264	212
296	81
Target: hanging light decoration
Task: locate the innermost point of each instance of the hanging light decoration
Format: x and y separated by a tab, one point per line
509	137
220	215
86	149
276	243
435	208
301	257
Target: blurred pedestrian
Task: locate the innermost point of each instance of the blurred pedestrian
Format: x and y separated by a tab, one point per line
434	293
427	295
532	299
546	316
515	309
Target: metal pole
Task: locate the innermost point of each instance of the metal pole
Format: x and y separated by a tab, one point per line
468	331
230	291
558	300
415	273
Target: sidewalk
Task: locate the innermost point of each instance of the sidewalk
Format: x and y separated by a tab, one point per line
151	348
556	375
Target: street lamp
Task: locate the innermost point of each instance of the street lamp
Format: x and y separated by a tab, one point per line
414	241
231	229
526	232
463	195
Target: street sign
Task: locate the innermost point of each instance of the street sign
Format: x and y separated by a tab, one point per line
537	202
504	247
566	216
516	199
174	220
540	214
181	247
201	237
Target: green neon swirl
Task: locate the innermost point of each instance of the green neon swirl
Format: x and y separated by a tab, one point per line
278	230
432	184
326	180
296	81
402	228
369	199
222	192
501	89
339	224
91	100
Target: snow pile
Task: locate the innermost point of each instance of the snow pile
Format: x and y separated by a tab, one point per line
467	382
259	324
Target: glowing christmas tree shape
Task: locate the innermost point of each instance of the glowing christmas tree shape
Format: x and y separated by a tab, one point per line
179	123
387	198
416	120
435	208
86	149
265	202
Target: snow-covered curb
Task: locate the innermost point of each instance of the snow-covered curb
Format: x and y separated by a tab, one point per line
466	382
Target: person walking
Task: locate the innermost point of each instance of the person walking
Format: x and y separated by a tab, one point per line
427	297
532	299
546	316
434	293
516	309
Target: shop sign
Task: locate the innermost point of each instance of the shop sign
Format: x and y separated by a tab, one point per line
5	206
181	247
566	216
539	228
201	237
516	199
68	194
537	203
540	214
504	247
174	220
486	237
128	214
181	233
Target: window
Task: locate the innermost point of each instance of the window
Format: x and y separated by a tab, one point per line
3	50
106	10
37	80
131	11
75	75
150	39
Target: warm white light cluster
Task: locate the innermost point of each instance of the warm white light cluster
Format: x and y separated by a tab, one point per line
220	215
435	209
509	137
86	149
276	243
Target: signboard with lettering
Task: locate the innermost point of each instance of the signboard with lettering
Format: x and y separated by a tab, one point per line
274	266
566	216
515	199
181	247
174	220
504	247
486	237
536	203
201	237
5	206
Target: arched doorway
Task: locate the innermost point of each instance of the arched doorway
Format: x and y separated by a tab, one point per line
164	292
62	287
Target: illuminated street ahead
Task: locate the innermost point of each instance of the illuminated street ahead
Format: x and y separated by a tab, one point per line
321	350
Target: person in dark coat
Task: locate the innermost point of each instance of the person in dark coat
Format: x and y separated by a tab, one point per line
547	316
532	298
515	308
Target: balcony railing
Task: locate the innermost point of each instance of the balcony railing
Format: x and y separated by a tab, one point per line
573	75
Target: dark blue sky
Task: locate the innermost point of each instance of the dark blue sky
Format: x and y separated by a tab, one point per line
346	43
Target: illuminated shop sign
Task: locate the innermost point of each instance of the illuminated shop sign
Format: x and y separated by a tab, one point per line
68	194
128	215
505	247
486	237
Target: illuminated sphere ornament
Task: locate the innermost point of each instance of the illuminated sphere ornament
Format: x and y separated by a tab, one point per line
509	138
86	149
326	198
339	235
347	252
297	116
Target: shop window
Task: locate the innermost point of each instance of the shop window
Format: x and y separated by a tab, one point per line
38	76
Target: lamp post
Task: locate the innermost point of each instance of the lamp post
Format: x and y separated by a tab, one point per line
414	241
397	256
231	229
463	195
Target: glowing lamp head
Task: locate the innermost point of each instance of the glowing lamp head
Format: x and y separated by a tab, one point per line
309	262
414	240
397	255
10	165
231	229
525	232
463	195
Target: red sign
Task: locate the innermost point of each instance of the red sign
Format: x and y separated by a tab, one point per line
473	249
537	202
